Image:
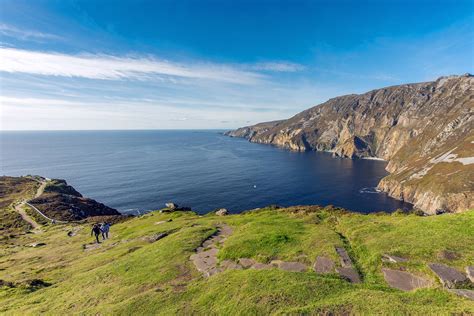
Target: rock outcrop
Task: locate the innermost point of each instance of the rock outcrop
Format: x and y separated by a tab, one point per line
61	201
424	130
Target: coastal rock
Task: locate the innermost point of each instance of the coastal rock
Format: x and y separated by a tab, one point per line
172	206
448	276
404	281
222	212
323	265
424	130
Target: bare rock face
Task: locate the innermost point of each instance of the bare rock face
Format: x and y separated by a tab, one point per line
425	131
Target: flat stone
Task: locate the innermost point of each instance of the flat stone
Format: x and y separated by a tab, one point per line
404	281
345	259
230	265
323	265
448	276
349	273
261	266
291	266
469	294
393	259
470	273
205	258
247	262
225	230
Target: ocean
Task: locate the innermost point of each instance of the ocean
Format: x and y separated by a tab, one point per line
138	171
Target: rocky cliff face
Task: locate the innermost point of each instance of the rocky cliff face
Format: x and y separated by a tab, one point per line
424	131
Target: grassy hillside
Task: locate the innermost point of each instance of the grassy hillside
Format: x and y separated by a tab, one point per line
131	274
13	190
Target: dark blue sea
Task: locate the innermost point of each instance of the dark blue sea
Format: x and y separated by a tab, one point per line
136	171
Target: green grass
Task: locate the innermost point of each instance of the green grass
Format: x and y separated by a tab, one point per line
129	275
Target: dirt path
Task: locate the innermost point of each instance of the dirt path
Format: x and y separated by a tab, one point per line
20	208
41	189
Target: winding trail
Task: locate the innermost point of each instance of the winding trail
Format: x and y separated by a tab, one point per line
20	208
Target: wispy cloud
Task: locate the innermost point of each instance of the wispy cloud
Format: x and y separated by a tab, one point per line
278	66
117	68
12	31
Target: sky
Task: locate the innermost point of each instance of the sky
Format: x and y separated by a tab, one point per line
103	64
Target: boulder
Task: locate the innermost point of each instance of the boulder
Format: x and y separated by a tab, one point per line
470	273
222	212
171	205
323	265
404	281
448	276
393	259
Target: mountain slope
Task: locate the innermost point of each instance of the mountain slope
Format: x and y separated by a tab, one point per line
424	130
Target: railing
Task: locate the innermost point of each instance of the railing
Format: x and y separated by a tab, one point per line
49	219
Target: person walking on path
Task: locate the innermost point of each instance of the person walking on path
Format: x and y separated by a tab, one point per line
96	231
104	228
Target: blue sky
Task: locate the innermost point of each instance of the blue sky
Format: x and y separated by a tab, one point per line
100	64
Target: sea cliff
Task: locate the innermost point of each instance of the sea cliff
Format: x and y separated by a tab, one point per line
424	131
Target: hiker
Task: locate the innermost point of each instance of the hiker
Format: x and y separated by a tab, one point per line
104	228
96	231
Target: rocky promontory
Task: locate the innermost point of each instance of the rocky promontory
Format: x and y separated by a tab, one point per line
424	131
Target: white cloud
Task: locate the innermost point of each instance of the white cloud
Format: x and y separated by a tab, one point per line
278	66
11	31
117	68
56	114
